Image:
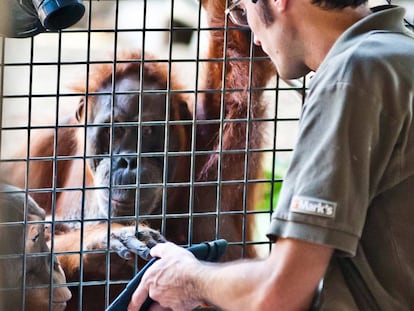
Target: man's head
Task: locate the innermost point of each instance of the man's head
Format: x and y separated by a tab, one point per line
296	34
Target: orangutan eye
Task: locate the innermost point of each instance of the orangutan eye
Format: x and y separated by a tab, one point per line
35	238
119	132
146	131
104	133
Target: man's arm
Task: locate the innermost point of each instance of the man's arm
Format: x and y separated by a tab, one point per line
286	280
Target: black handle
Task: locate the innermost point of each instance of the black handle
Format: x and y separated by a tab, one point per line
208	251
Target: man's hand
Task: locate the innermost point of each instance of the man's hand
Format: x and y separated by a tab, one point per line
169	281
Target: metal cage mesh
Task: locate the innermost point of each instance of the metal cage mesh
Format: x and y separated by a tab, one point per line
36	91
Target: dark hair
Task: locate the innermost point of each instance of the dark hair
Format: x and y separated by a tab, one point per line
268	17
338	4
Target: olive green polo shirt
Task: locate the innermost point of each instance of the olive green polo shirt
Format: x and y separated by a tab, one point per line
350	184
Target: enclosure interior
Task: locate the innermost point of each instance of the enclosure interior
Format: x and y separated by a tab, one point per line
43	80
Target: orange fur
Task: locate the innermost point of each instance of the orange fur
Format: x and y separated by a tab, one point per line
247	71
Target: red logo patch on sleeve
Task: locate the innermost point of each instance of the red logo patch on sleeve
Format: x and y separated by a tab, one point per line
313	206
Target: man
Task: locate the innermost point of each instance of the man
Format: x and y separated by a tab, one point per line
346	209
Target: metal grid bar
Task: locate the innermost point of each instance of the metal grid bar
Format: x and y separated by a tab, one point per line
31	128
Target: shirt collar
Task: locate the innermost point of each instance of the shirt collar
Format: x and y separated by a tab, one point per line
383	18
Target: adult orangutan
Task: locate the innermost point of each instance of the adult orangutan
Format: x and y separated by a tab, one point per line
115	140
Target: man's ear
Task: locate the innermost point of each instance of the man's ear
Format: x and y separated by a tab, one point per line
80	112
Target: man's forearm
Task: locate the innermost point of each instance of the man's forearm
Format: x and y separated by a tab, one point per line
231	286
285	281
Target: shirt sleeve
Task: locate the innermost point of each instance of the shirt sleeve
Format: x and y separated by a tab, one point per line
329	184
